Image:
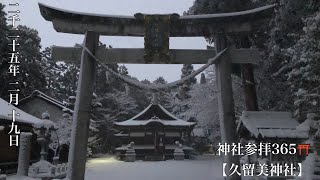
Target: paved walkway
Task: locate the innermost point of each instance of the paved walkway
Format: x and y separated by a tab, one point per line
112	169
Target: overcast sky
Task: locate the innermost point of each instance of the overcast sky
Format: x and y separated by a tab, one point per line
31	17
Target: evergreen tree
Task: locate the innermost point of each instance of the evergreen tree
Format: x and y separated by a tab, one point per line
68	80
146	81
218	6
53	74
288	41
30	75
303	75
4	50
30	57
185	71
160	80
163	95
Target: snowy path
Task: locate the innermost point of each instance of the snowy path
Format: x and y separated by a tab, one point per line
112	169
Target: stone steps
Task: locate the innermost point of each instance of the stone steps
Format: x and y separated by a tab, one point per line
154	157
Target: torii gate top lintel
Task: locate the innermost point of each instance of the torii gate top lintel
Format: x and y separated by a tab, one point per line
67	21
156	29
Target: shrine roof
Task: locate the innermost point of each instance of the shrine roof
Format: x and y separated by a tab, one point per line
188	25
45	97
154	110
164	122
6	111
155	113
271	124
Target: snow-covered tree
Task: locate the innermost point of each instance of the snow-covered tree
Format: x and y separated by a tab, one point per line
123	70
185	71
284	75
201	107
115	106
304	68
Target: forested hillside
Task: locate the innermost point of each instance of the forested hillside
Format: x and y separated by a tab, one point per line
288	76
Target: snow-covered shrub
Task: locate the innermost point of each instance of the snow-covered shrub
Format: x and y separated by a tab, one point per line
89	152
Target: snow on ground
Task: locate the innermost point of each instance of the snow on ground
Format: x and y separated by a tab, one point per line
16	177
111	168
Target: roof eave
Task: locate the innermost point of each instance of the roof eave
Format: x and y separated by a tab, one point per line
41	95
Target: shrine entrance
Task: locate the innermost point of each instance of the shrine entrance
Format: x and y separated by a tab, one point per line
156	30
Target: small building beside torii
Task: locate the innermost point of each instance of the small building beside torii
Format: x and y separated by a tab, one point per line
271	127
154	132
25	123
38	102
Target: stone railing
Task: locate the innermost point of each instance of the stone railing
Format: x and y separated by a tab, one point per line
45	170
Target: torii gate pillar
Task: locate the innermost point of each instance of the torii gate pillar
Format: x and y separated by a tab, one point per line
81	116
226	103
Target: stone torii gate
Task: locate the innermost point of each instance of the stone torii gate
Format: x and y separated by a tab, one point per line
156	29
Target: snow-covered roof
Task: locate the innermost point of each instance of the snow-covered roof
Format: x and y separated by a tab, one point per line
147	146
155	113
283	133
305	126
133	122
154	110
6	111
272	124
45	97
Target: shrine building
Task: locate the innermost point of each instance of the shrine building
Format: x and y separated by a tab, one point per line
154	132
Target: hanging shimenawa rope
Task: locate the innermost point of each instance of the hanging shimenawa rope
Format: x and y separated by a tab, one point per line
155	87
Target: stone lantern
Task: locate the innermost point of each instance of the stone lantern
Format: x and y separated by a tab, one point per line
43	169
